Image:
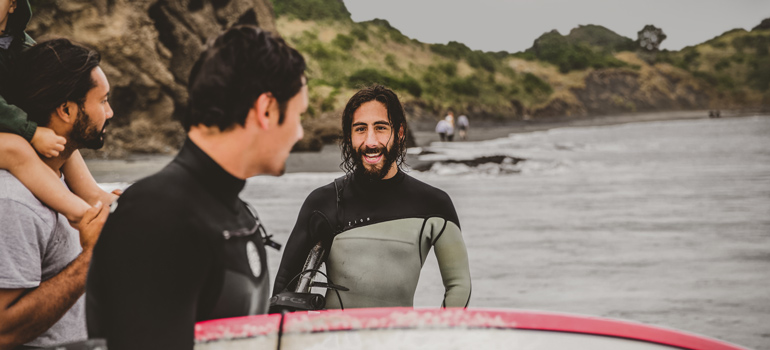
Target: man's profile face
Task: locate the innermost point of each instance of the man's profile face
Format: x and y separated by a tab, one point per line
93	115
372	138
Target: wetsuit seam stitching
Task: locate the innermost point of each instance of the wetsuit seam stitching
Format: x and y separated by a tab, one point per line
440	233
377	239
419	242
470	291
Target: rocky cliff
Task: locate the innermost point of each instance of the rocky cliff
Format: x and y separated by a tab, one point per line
148	48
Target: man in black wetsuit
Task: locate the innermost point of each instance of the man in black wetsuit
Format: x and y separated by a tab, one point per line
386	221
180	246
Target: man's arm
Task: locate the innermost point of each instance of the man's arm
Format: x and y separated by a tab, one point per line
312	226
453	263
82	183
14	120
25	316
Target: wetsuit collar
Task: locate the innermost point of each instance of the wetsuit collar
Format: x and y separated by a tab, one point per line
221	184
379	185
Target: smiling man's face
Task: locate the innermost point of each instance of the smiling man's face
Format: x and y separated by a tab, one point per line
372	138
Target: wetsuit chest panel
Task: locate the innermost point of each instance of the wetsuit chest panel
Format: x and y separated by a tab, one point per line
243	273
379	263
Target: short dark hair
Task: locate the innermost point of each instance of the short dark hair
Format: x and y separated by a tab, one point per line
234	69
396	116
52	73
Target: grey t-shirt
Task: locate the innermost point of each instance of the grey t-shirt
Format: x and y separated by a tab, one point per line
36	244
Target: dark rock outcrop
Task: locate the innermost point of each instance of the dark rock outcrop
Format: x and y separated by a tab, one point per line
148	48
619	90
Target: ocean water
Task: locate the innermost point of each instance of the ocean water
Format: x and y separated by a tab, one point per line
665	223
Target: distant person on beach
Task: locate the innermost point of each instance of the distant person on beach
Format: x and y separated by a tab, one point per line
377	222
442	127
43	261
21	137
445	128
181	246
450	131
462	127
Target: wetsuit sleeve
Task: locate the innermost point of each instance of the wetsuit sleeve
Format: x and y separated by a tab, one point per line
453	263
146	275
313	225
14	120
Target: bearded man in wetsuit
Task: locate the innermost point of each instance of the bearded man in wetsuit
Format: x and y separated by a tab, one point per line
180	246
385	222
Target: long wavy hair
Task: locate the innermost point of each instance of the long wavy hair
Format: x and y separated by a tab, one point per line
396	116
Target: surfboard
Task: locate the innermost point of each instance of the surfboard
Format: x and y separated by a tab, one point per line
451	328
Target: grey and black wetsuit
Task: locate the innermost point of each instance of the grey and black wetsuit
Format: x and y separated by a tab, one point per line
180	247
388	228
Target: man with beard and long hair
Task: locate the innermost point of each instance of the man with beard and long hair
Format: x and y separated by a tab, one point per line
377	223
43	261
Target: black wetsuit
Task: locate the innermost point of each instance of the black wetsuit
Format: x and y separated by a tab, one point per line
387	229
180	247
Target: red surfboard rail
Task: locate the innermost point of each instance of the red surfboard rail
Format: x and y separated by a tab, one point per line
408	318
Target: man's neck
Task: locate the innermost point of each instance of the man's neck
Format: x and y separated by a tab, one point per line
223	148
56	163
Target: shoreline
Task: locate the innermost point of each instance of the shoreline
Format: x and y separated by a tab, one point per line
137	166
488	130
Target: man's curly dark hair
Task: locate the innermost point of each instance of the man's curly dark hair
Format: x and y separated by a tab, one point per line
234	69
396	116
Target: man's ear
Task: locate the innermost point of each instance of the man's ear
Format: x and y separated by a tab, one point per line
67	112
262	109
401	134
12	7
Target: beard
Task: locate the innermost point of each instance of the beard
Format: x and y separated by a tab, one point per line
369	172
86	135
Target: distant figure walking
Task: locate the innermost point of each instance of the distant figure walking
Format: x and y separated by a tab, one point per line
462	127
450	119
441	129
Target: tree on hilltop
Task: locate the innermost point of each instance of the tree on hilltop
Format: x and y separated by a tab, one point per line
650	37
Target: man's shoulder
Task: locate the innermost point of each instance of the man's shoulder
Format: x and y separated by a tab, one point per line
14	194
424	189
429	199
322	195
165	185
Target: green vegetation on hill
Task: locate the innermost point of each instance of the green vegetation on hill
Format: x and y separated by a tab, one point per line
736	62
476	59
311	9
601	37
580	50
590	70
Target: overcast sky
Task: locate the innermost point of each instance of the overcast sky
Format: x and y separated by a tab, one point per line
512	25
